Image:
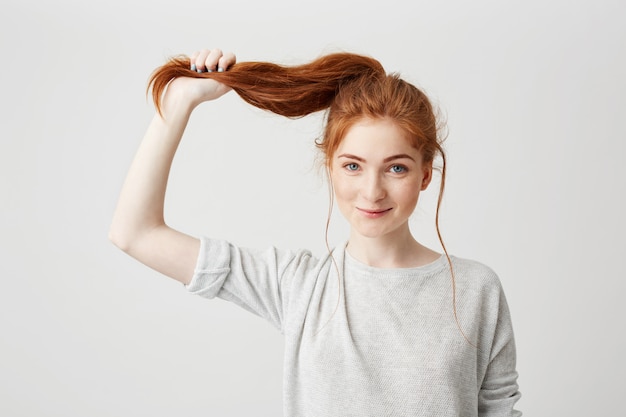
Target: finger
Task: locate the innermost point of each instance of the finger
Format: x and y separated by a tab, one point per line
211	60
192	60
201	59
227	60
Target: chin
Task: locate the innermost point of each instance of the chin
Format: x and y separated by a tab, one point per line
371	233
376	231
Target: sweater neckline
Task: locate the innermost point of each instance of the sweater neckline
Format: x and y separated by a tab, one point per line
428	269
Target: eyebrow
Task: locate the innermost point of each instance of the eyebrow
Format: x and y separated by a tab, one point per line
388	159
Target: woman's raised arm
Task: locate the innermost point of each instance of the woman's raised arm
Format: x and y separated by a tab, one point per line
138	226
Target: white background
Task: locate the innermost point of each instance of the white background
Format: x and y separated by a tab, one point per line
534	94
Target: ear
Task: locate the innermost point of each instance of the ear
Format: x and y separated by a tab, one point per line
427	171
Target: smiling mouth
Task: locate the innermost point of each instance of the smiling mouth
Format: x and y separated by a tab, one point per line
374	213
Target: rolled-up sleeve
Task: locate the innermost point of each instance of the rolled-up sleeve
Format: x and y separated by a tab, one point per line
212	268
258	281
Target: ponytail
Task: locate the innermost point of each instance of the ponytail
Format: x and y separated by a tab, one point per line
291	91
350	86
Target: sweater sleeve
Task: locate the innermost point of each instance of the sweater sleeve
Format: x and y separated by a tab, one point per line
499	390
258	281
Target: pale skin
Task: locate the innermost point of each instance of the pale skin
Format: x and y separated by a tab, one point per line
376	175
138	226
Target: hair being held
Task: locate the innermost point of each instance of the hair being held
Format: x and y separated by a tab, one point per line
348	86
288	91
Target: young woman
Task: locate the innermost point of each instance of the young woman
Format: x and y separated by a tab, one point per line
382	326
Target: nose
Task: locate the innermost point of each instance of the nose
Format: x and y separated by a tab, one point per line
372	188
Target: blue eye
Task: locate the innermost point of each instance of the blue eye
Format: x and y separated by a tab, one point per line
398	169
352	166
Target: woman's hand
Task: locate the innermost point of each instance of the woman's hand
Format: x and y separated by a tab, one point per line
198	90
209	60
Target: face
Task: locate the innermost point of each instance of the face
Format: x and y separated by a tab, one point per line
377	177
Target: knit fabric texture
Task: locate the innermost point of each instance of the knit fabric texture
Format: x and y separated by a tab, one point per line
364	341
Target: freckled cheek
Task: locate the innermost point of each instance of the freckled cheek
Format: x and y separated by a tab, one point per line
343	190
408	194
344	200
343	185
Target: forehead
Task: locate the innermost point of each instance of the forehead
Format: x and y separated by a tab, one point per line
376	138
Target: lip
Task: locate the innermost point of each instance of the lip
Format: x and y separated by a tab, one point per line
373	214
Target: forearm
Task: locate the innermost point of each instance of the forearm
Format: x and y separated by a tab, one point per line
140	205
138	226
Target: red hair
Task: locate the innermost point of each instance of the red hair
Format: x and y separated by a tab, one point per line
348	86
289	91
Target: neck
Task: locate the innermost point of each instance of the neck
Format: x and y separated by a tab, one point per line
397	250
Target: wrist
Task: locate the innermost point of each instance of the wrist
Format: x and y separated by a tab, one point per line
177	103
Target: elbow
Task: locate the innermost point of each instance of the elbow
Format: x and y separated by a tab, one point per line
120	239
123	236
129	238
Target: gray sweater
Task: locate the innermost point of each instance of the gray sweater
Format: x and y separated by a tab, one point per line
374	342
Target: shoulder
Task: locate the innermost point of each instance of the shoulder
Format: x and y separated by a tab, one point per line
226	249
473	275
480	296
283	260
